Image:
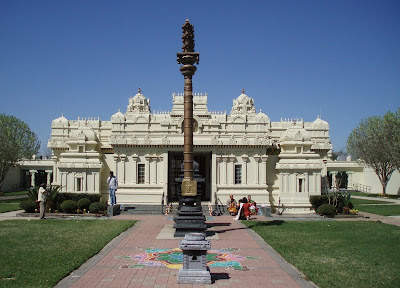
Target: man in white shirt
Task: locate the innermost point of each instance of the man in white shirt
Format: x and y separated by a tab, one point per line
42	193
112	187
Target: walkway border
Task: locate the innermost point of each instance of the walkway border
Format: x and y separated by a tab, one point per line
292	271
85	267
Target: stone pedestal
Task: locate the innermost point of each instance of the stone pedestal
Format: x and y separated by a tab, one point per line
189	218
113	210
194	270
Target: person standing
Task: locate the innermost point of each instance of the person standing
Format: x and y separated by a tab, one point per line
42	193
112	187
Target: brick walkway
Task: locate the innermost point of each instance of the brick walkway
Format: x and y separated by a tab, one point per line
257	265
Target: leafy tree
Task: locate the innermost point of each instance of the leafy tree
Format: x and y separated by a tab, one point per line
17	142
374	143
393	124
339	155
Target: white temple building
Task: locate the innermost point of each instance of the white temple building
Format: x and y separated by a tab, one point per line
240	153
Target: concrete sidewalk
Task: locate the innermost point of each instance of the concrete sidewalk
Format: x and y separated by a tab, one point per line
144	257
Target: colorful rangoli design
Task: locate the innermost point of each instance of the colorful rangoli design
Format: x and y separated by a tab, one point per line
172	258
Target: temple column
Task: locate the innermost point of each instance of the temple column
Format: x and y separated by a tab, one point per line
333	173
231	178
64	184
214	176
245	159
134	168
317	183
165	176
33	174
115	165
306	183
159	170
49	172
264	170
257	160
153	170
223	170
122	174
350	179
147	170
286	181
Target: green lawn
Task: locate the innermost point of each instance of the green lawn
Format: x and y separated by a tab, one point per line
357	202
41	253
337	253
384	210
18	193
10	205
356	193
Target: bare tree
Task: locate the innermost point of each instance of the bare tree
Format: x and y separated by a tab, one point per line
17	142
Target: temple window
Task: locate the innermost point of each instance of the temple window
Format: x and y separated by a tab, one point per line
238	174
141	174
79	184
300	185
81	148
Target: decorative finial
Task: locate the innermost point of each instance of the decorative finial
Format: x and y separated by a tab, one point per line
188	37
243	91
140	91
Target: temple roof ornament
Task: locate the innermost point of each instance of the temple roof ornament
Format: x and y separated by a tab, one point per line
243	105
319	123
118	117
138	104
60	121
84	135
295	134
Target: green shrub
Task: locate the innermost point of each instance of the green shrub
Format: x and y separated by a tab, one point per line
351	205
318	200
326	210
62	196
84	203
97	207
69	206
28	205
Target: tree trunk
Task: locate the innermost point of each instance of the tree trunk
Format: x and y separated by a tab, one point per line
384	189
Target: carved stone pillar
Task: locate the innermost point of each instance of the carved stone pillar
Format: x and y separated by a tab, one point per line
33	174
231	173
350	179
218	170
115	165
214	176
333	173
147	170
134	168
159	170
257	160
153	170
224	171
317	183
306	182
49	172
245	159
264	170
122	172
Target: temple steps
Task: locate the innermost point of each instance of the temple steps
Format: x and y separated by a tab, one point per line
144	209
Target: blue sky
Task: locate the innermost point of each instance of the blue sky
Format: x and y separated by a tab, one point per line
297	59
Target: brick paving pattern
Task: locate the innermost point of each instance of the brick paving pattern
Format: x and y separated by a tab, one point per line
264	268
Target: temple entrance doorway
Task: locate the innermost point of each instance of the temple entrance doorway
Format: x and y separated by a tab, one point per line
202	174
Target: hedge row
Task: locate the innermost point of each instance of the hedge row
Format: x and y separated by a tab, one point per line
61	197
318	200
